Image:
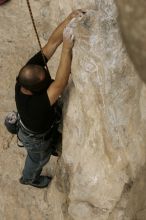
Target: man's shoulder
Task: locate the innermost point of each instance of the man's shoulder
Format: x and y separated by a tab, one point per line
38	59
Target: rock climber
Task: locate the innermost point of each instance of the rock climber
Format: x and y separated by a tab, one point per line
36	95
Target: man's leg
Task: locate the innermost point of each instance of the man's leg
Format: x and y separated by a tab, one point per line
33	167
56	142
38	154
56	134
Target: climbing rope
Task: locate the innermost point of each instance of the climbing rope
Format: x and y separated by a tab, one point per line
38	39
36	32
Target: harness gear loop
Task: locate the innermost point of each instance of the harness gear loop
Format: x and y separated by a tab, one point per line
36	32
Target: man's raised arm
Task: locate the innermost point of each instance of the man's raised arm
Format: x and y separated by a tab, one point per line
64	69
56	37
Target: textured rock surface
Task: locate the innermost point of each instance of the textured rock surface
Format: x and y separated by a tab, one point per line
99	175
107	147
133	26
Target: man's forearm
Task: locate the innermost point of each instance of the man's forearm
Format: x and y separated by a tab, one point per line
64	68
62	76
57	35
55	39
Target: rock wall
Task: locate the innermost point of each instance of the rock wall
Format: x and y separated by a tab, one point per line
104	119
106	147
132	19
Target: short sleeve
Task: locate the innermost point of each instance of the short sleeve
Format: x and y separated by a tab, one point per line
37	59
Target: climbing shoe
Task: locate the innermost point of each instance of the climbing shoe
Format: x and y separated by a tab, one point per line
41	182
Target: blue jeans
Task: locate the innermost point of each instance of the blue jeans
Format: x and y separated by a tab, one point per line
39	149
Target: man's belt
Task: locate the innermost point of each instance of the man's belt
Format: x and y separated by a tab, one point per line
40	135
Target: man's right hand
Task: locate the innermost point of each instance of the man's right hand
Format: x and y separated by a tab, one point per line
68	38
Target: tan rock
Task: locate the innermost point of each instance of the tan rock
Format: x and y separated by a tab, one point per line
104	118
133	25
103	149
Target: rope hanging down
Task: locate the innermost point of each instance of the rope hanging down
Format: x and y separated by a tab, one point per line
36	32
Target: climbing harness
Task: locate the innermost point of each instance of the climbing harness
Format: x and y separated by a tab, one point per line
36	32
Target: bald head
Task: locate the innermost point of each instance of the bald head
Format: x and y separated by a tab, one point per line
34	78
31	74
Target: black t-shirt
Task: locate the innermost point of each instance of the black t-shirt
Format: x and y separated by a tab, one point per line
35	110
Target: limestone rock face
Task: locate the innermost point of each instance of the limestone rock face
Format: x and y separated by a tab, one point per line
100	171
133	26
103	146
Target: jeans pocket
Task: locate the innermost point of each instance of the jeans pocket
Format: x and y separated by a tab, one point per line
33	145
